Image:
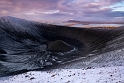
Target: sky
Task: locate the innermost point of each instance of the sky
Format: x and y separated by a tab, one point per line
63	10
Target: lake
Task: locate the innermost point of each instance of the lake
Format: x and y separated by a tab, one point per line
98	25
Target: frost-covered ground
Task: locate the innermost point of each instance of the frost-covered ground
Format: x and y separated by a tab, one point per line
107	68
97	75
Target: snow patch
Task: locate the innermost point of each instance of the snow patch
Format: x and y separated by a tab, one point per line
97	75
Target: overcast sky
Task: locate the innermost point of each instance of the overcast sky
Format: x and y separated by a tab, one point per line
63	10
